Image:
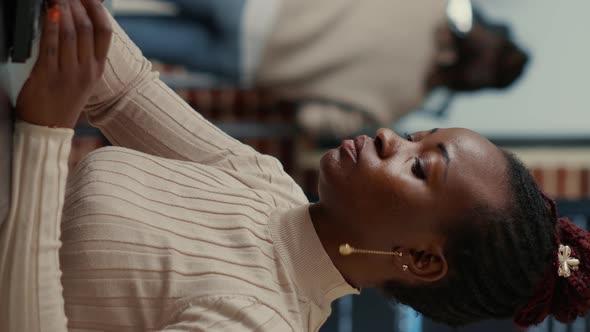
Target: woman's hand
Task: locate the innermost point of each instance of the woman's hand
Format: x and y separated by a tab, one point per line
74	45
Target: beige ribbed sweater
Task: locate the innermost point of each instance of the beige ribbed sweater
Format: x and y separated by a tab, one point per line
179	228
371	55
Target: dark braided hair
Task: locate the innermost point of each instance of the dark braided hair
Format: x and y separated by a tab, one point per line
564	298
497	260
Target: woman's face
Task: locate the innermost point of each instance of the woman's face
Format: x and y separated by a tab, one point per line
390	191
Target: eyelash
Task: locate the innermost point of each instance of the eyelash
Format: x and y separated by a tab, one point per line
418	169
417	166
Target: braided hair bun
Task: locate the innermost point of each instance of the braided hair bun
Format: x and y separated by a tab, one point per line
565	298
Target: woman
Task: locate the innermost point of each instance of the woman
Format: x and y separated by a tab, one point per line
182	228
351	65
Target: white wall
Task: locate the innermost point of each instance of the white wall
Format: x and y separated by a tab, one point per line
552	97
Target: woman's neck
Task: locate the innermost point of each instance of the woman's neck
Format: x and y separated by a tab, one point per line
331	237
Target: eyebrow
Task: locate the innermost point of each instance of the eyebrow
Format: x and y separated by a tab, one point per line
443	151
445	154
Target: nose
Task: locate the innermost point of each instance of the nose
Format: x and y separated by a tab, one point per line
387	142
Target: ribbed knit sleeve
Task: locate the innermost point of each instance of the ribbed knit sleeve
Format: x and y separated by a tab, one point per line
31	292
136	110
228	314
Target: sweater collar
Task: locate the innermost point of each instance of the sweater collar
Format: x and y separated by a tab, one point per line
301	250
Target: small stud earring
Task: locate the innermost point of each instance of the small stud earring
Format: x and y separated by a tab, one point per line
404	267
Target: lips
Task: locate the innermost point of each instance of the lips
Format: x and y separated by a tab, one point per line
354	148
349	147
359	143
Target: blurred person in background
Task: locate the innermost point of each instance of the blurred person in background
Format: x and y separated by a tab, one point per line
350	64
179	227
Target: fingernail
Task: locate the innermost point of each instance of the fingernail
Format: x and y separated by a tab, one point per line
54	14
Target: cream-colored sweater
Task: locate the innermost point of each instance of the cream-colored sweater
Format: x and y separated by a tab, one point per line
371	55
178	228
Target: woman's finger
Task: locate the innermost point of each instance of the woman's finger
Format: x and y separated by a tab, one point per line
49	44
84	32
103	29
68	49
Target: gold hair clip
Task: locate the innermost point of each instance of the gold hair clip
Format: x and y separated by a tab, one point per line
567	264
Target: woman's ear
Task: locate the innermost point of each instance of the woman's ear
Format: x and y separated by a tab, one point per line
425	265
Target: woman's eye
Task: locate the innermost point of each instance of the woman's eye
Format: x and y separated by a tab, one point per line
418	169
408	137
